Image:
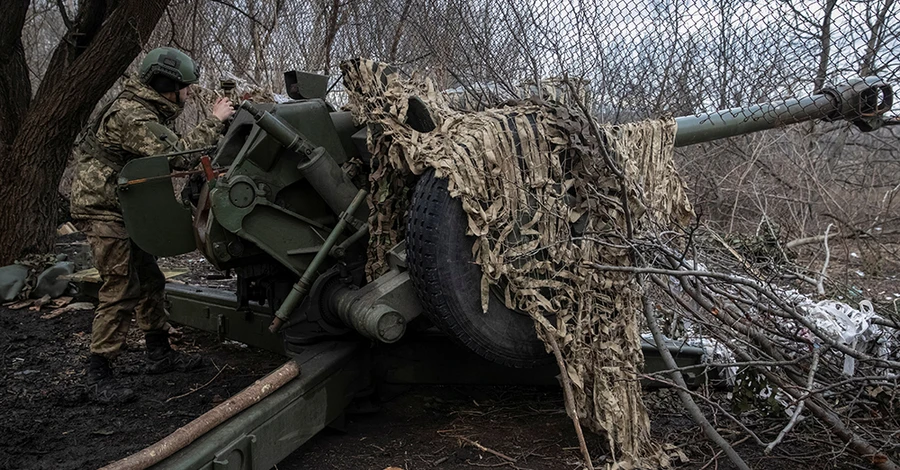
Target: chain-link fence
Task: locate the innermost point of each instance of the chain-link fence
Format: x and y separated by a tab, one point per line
637	59
626	60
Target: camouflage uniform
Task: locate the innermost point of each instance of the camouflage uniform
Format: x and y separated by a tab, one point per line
132	281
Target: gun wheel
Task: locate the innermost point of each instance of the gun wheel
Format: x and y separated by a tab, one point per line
444	273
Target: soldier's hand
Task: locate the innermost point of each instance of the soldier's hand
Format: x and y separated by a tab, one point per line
223	109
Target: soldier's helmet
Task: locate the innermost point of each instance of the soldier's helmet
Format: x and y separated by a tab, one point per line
167	69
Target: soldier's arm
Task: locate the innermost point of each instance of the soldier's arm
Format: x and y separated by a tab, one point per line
145	136
203	135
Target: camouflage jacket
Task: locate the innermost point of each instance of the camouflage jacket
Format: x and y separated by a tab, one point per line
123	132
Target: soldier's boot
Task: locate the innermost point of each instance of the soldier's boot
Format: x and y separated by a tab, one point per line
103	387
161	358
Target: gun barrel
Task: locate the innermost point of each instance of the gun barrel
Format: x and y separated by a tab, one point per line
861	101
279	131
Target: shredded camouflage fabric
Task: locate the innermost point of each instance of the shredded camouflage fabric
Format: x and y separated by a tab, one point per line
543	204
123	131
480	97
35	264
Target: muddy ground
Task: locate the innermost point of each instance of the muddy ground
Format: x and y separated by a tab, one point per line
466	428
47	420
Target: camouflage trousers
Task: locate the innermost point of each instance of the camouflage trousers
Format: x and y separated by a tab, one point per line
132	283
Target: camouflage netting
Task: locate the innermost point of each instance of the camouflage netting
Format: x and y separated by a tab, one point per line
544	204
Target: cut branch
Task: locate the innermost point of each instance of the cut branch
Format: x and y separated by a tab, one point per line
820	282
686	399
569	397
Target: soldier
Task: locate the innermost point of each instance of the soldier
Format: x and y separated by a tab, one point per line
138	123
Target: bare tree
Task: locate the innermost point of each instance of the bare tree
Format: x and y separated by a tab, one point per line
36	133
877	23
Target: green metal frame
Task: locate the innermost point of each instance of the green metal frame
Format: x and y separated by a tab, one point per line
428	357
155	220
862	101
258	438
262	195
216	311
331	374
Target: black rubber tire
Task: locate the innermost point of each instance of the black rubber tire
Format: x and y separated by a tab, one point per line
443	271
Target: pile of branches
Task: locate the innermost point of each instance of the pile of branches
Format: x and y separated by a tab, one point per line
823	360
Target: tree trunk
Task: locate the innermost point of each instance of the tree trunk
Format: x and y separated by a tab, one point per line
15	89
102	42
825	45
333	22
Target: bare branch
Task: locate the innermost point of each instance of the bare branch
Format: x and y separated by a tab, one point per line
796	415
686	399
65	16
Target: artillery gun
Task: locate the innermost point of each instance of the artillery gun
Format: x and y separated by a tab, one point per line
292	224
275	206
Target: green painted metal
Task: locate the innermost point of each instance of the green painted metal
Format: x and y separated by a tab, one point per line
431	357
320	168
281	132
265	198
332	184
381	309
155	221
738	121
305	85
216	311
428	357
345	128
270	227
861	101
331	374
301	288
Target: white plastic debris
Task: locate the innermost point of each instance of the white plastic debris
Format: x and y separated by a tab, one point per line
837	321
842	323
